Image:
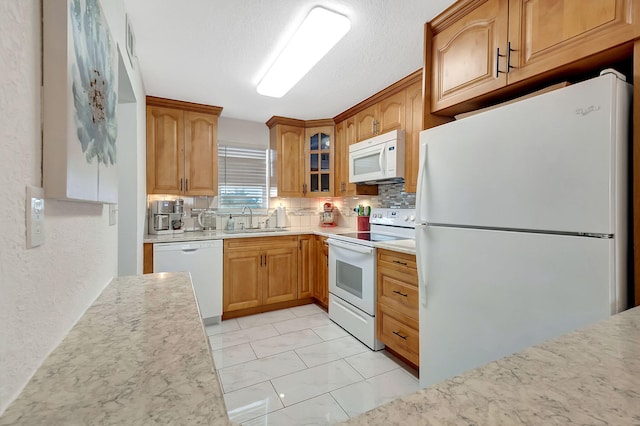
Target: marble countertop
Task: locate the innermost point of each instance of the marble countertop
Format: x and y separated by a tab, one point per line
588	377
221	234
139	355
405	246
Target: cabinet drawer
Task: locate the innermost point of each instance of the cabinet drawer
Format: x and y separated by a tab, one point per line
398	261
399	333
240	244
398	295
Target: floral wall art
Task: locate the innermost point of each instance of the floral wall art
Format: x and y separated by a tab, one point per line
80	103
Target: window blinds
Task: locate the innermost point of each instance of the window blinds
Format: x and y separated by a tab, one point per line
242	177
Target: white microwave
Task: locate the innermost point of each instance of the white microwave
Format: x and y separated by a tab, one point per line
378	160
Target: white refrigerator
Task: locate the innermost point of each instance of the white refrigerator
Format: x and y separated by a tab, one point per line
521	231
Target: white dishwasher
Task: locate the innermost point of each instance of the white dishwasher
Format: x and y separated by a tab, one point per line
203	260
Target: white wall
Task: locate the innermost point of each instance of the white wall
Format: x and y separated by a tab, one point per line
248	133
43	291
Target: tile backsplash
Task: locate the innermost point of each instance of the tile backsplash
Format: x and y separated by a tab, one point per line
305	212
392	195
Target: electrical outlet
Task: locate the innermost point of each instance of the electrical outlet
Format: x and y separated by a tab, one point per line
34	206
113	214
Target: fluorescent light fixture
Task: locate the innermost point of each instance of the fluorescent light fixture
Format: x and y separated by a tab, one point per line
317	34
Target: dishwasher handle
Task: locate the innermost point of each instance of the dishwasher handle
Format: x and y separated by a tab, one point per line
187	247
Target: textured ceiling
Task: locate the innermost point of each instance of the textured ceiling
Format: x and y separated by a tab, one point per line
215	52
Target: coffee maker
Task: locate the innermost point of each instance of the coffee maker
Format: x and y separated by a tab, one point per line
328	217
163	219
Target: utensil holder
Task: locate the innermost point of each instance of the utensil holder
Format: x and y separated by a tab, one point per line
363	223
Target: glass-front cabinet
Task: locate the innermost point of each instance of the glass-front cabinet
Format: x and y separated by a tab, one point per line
318	152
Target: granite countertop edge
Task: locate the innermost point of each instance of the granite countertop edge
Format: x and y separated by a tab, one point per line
589	376
138	355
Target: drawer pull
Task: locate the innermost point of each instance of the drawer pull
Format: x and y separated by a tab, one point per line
401	294
400	263
400	335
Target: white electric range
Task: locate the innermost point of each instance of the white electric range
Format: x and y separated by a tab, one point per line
352	271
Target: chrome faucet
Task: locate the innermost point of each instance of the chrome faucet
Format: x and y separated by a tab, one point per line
250	216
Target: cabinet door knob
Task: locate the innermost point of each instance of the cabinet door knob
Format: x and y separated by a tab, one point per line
180	184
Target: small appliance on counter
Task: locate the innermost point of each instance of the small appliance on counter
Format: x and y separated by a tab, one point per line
162	219
281	217
328	217
178	206
207	220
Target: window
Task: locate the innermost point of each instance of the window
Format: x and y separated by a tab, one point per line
242	177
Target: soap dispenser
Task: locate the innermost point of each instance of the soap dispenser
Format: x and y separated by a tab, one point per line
230	224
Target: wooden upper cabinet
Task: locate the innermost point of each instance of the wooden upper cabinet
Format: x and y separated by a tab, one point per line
201	153
546	34
413	126
165	150
391	113
318	161
382	117
465	51
182	147
304	156
479	46
365	122
345	136
286	140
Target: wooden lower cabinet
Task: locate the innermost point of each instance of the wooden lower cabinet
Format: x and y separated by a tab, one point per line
397	303
147	258
306	265
280	276
259	271
242	283
321	284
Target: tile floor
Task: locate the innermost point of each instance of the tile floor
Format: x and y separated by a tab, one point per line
295	366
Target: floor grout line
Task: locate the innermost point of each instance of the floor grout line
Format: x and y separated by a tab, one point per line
306	367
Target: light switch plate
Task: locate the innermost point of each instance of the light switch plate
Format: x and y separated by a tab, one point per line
113	214
34	206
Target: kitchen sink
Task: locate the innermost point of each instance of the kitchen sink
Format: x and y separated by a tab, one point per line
254	230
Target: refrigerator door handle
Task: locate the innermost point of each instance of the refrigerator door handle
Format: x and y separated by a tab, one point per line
421	196
421	224
421	229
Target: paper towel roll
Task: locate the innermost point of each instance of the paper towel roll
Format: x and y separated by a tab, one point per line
281	218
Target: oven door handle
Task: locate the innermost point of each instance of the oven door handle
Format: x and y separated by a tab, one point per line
353	247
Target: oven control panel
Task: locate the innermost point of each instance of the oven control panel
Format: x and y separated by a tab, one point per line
395	217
